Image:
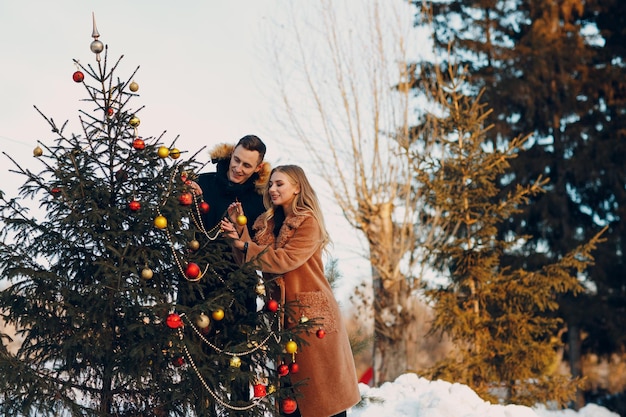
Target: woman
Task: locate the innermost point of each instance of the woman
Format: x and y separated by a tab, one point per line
289	240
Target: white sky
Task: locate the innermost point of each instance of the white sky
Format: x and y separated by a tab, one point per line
204	74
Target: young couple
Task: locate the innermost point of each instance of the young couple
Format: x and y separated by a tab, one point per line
288	235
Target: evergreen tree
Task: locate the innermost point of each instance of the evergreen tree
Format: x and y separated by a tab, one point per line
495	315
555	69
93	281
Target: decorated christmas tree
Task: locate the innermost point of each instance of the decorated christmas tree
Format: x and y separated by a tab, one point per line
93	285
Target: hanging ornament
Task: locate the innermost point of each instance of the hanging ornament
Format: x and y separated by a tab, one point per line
204	207
259	390
110	112
283	369
294	367
291	347
133	87
55	191
242	220
303	319
218	314
203	321
260	288
38	151
185	199
163	151
235	362
289	405
192	271
134	205
146	273
193	245
78	76
139	144
134	121
174	153
160	222
178	361
174	321
320	333
272	305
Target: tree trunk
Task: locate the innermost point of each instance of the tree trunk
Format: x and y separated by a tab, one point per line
575	362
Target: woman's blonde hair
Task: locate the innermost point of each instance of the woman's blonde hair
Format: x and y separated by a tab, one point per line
305	202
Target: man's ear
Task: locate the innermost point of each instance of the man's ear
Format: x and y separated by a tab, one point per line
259	167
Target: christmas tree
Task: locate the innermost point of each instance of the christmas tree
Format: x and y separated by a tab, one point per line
93	285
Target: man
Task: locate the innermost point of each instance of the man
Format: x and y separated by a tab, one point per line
241	176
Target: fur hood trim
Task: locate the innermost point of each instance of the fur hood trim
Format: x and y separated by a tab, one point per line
222	153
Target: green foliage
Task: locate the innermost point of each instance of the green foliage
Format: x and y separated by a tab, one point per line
499	318
93	322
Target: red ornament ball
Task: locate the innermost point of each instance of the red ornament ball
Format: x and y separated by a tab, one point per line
289	405
178	361
204	207
185	199
139	144
283	369
134	205
320	333
174	321
78	76
110	112
55	191
294	368
260	390
272	305
192	271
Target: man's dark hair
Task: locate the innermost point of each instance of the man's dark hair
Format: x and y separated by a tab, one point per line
253	143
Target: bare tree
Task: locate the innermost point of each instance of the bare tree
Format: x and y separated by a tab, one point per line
349	102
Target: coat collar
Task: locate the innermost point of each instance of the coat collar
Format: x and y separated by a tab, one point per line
266	237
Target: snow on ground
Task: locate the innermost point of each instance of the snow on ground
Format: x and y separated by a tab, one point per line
412	396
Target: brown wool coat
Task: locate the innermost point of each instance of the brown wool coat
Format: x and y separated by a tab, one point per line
326	364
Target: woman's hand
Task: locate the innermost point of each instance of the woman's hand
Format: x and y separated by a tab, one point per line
230	231
234	211
195	188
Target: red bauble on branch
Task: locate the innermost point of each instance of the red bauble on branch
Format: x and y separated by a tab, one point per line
283	369
272	305
139	144
289	405
174	321
204	207
134	205
78	76
185	199
192	271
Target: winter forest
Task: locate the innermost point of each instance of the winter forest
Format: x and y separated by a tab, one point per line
473	146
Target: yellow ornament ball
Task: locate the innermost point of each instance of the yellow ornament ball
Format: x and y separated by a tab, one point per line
160	222
242	220
235	362
146	273
218	314
38	151
291	347
134	121
193	245
174	153
163	151
133	87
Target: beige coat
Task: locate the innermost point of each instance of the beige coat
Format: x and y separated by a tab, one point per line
326	364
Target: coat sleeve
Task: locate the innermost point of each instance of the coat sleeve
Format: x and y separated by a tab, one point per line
303	244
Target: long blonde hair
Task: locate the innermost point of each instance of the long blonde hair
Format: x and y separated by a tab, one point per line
305	202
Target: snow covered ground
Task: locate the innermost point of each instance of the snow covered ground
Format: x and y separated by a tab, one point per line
412	396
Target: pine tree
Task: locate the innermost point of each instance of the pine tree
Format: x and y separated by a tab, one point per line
498	318
94	280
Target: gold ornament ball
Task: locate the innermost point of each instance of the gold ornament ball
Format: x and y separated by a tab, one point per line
174	153
218	314
260	289
291	347
242	220
37	151
133	87
163	151
203	321
147	273
235	362
193	245
160	222
134	121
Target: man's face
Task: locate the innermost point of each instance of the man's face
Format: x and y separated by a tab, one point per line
243	163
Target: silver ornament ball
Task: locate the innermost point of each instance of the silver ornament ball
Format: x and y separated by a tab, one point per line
96	46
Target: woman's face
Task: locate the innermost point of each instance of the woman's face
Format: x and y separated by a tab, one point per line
282	190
